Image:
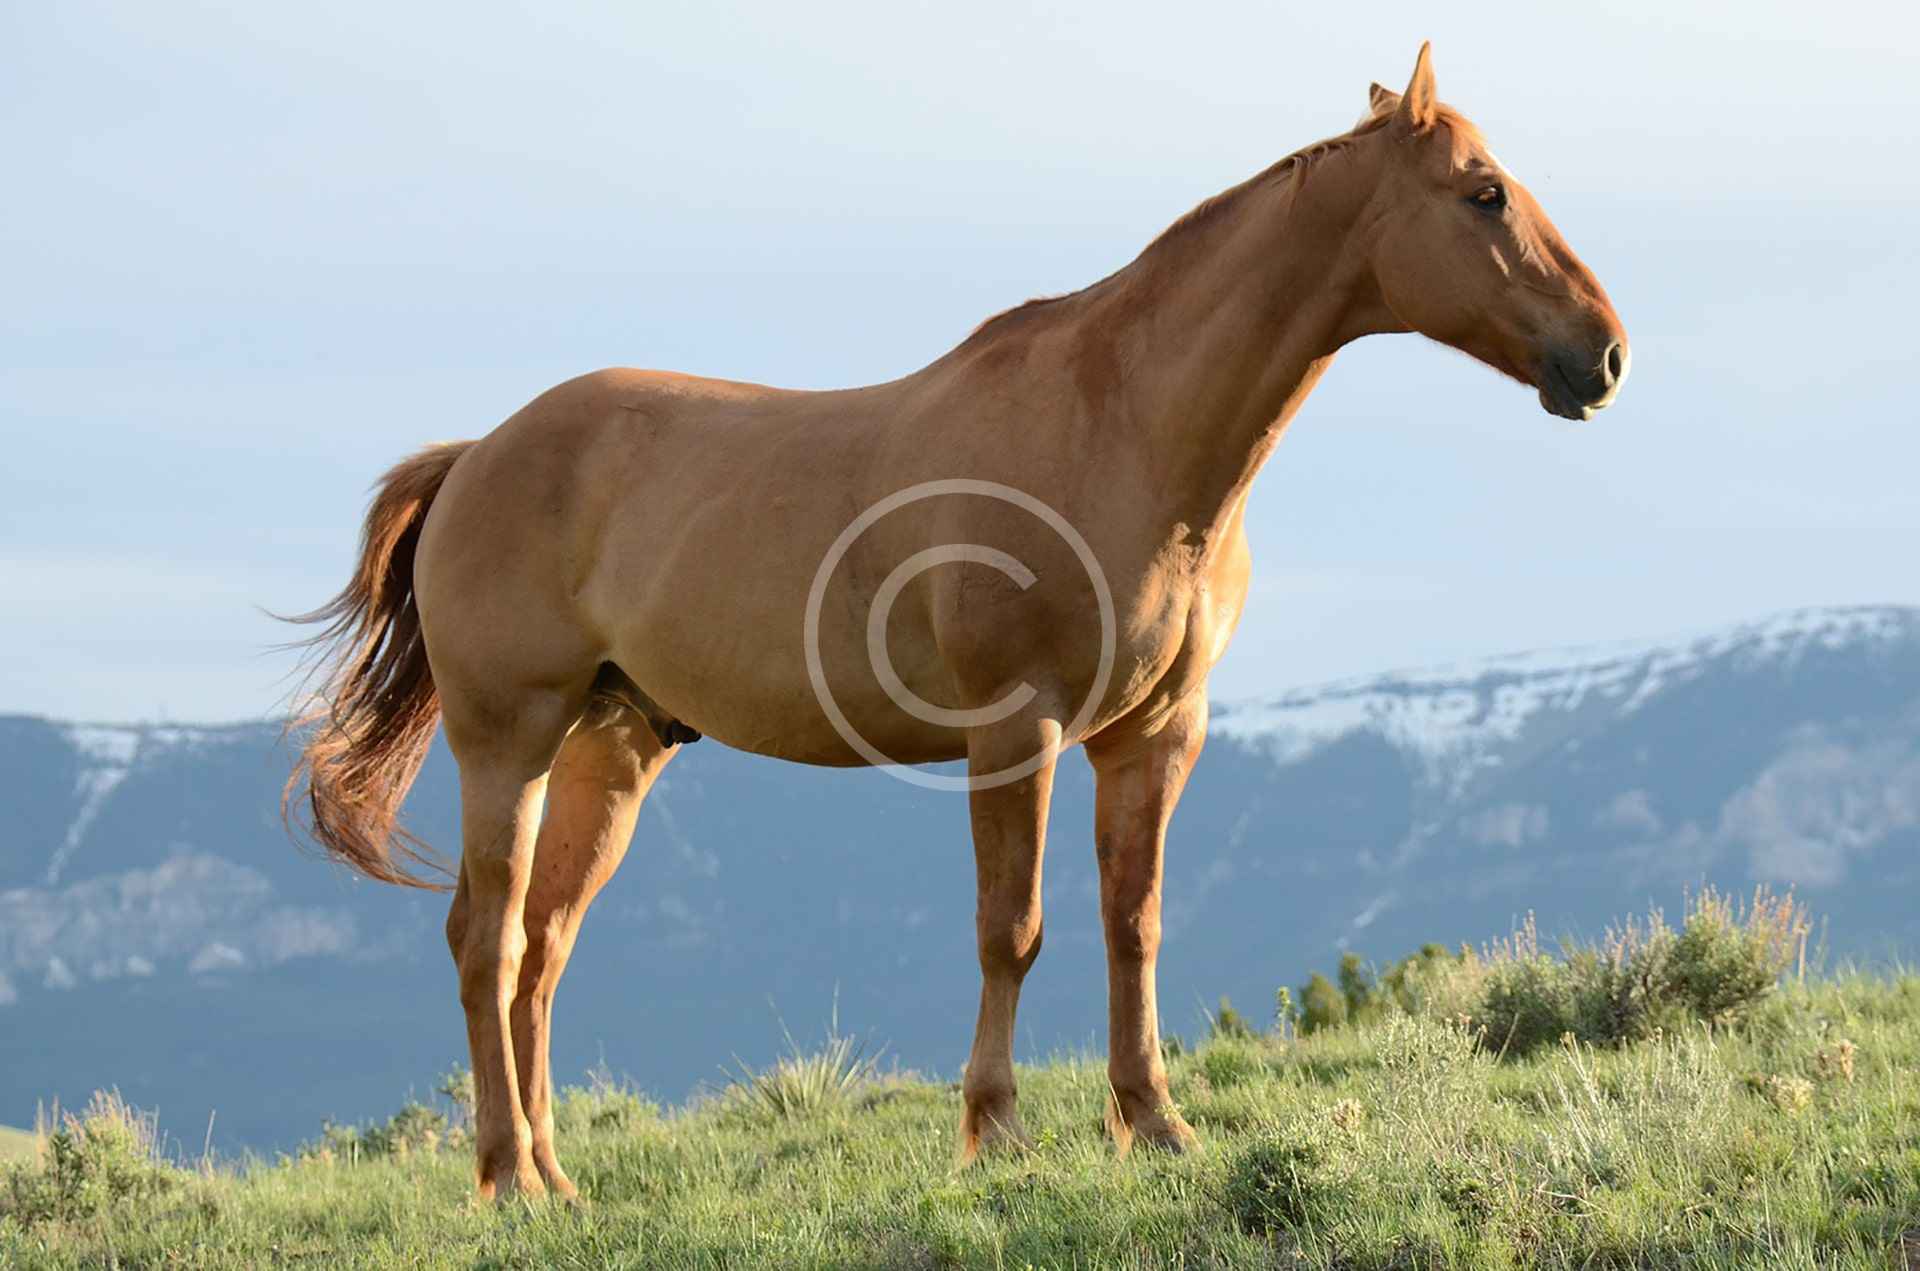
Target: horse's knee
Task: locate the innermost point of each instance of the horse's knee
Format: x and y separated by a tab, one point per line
530	1006
1009	946
545	955
482	985
490	971
458	916
1133	936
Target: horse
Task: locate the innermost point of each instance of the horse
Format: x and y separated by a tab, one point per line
1036	541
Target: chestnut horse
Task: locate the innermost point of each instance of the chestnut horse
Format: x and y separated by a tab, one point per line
1034	542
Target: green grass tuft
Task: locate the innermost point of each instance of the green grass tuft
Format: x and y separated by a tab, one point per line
802	1083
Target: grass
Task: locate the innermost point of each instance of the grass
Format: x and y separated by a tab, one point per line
1790	1140
16	1145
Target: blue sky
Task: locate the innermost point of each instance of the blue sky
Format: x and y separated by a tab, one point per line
254	253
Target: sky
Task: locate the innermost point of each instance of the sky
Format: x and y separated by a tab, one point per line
254	253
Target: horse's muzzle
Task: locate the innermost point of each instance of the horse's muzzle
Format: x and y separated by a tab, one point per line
1577	383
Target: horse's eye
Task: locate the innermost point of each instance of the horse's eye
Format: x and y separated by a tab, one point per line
1489	198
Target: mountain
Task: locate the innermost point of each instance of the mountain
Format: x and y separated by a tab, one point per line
158	933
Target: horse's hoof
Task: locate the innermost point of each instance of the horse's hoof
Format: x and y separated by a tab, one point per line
991	1132
1176	1137
1162	1129
519	1187
560	1188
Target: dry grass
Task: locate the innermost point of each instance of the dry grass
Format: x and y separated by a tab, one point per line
16	1145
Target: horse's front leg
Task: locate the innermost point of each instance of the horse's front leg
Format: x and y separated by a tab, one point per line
1139	780
1009	838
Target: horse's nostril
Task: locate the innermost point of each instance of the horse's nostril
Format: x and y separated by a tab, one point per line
1616	362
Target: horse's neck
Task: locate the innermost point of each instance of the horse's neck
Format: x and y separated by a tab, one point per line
1227	329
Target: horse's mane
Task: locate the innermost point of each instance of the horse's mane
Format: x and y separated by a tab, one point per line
1294	166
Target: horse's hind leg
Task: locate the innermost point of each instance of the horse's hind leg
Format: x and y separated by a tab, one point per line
505	747
593	797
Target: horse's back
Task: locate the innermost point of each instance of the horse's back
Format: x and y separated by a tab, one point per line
637	517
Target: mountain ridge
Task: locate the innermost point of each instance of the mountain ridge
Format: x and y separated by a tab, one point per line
157	930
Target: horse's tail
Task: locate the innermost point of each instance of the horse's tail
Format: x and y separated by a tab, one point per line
368	726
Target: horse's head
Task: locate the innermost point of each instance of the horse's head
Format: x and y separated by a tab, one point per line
1462	253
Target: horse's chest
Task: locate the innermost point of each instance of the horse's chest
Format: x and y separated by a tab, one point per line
1181	629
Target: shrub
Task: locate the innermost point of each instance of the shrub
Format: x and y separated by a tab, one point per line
1356	985
415	1130
1428	1071
106	1155
456	1087
1322	1006
1277	1184
604	1103
1474	1195
337	1143
1431	982
1527	997
1230	1063
1641	979
1424	1053
1408	983
1727	959
1228	1023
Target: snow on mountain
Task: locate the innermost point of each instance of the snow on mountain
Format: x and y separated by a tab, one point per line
1460	720
107	753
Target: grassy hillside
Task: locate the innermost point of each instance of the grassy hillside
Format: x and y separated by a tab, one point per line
15	1145
1793	1140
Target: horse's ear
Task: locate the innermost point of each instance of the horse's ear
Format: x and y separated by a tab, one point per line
1420	105
1381	99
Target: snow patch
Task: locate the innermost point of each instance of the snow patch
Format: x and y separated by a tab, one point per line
106	757
105	745
108	754
93	787
1455	719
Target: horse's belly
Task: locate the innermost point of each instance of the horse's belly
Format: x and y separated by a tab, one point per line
730	655
773	699
741	670
799	718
